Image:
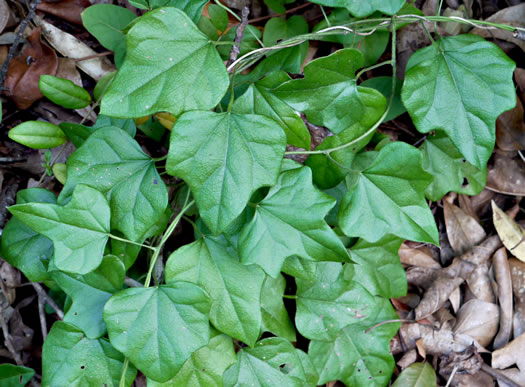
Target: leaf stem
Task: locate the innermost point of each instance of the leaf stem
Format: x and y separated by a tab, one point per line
130	242
369	68
291	297
376	125
123	376
165	237
162	158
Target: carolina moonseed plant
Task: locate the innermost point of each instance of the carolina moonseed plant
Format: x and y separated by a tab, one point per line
326	233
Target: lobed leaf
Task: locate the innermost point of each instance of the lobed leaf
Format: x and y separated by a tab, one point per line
365	8
15	376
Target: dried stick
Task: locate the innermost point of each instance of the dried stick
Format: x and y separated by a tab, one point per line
236	48
45	297
8	343
16	42
499	376
42	316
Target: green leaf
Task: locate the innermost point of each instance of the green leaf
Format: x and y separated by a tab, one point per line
161	46
273	362
71	359
330	303
277	5
417	375
388	198
158	328
460	85
114	164
384	86
300	268
79	230
259	99
330	170
328	89
78	134
451	171
234	289
89	293
218	16
127	125
15	376
275	318
377	267
192	8
358	357
290	221
103	84
365	8
24	248
38	135
206	366
107	22
224	158
63	92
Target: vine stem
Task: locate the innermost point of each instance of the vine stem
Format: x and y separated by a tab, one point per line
291	297
165	237
130	242
124	370
376	125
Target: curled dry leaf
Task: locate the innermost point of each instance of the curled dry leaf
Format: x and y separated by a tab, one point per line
500	264
507	175
511	233
69	10
71	47
514	16
463	231
479	320
467	361
416	257
511	354
408	358
25	69
449	278
517	273
510	129
481	379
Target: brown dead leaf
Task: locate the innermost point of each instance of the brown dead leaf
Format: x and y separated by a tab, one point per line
500	264
479	320
513	16
4	15
69	10
25	70
519	76
449	278
416	257
479	284
510	129
507	174
511	354
466	362
408	358
511	233
517	273
481	379
463	231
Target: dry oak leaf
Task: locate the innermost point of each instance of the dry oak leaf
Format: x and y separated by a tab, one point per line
69	10
507	174
479	320
24	71
510	129
463	231
500	264
511	233
510	354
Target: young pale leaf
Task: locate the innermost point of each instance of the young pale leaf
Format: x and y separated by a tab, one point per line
159	328
114	164
192	8
107	22
417	375
235	289
170	66
15	376
38	135
79	230
63	92
378	267
273	362
24	248
205	367
224	158
275	318
259	99
451	171
89	294
358	357
461	85
290	221
329	170
388	198
365	8
511	233
328	89
71	359
330	303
